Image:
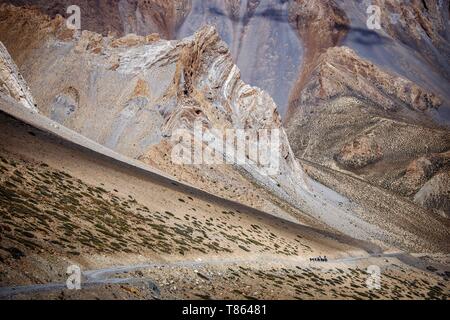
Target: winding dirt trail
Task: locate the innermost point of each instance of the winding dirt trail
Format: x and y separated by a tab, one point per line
111	275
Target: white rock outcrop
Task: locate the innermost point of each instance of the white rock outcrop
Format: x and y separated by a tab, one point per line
12	83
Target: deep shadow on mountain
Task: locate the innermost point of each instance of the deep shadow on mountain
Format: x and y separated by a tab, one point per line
363	36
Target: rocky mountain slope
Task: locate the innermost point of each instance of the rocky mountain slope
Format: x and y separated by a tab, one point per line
90	123
373	103
12	83
261	40
310	54
169	86
138	234
131	94
68	200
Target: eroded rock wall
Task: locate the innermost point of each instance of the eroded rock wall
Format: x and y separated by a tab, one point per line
12	83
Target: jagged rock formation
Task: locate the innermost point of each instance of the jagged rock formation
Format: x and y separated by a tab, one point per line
316	23
264	46
12	83
262	42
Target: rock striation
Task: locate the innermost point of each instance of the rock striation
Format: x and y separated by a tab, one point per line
263	44
12	83
132	94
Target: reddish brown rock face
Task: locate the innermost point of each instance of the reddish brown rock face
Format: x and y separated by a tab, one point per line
121	17
359	153
390	83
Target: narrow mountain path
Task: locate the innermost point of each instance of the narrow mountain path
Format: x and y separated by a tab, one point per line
111	275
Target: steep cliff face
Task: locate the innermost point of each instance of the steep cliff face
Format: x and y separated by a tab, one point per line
12	83
263	44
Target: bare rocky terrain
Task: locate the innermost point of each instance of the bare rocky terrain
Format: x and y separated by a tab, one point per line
308	55
374	103
88	124
140	235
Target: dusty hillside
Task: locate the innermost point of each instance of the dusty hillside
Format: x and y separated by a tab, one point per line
147	88
375	103
87	177
140	235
